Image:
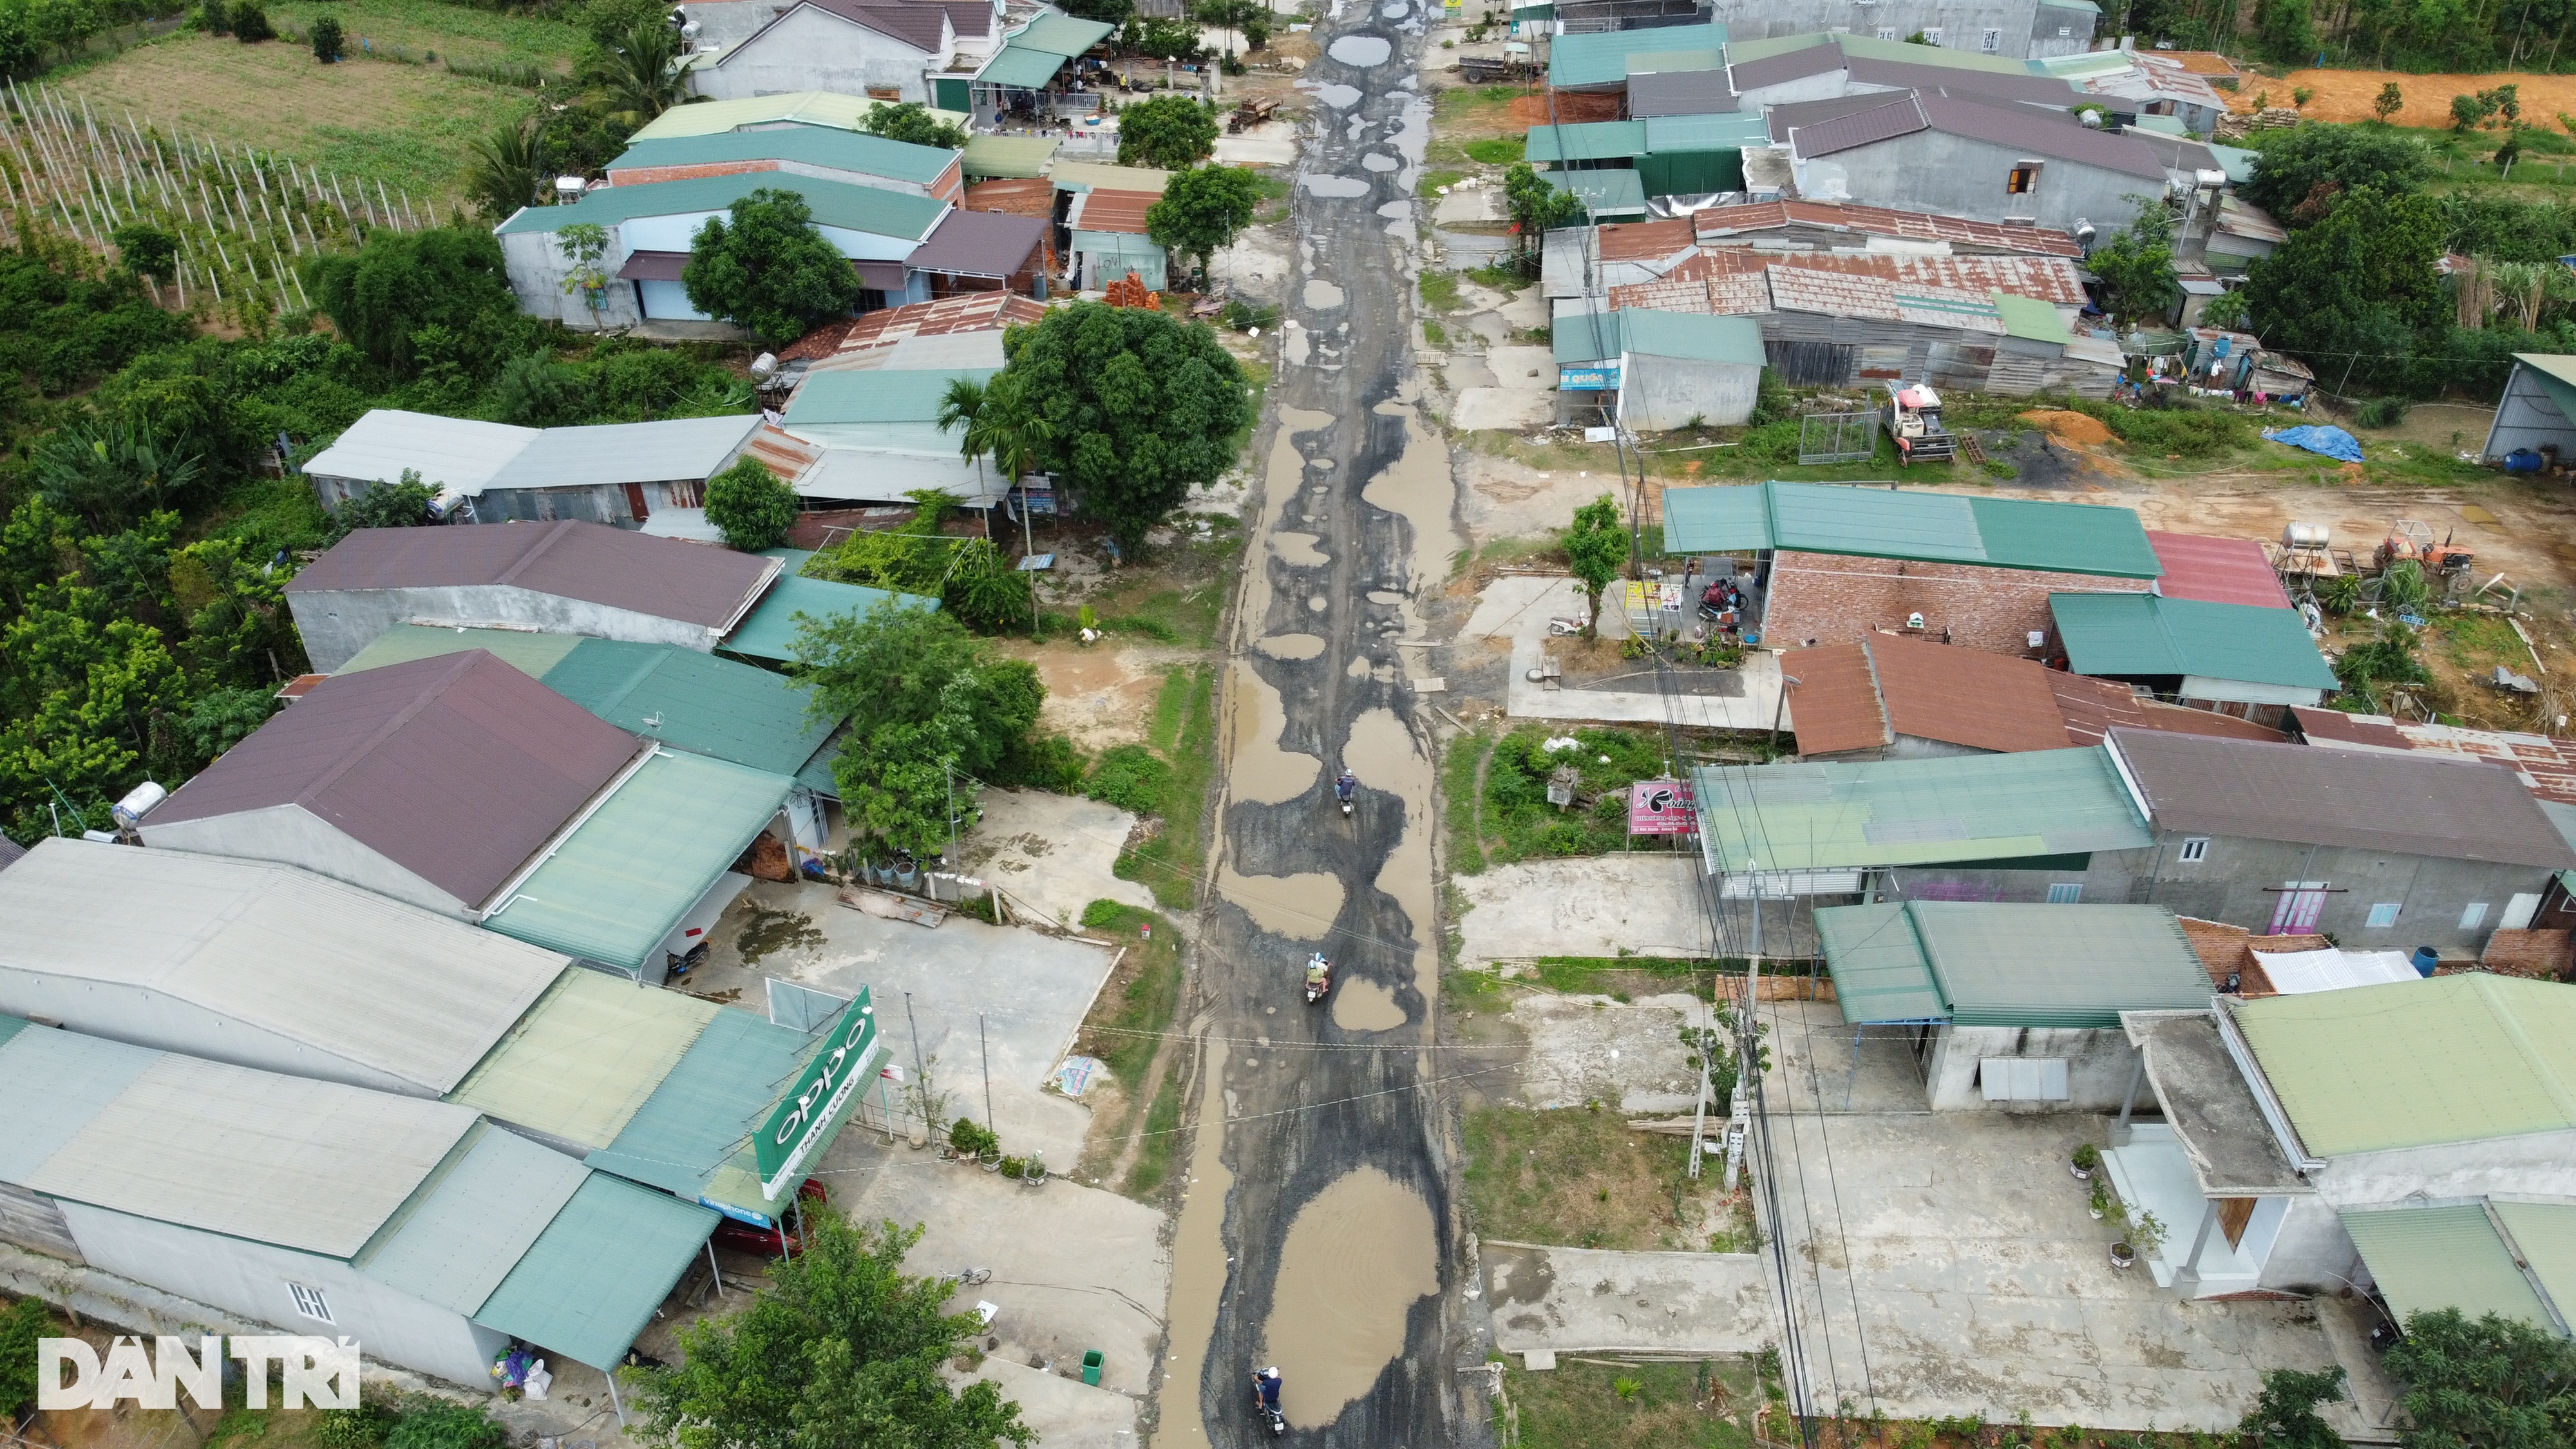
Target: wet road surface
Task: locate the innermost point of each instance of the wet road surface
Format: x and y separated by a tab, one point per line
1319	1232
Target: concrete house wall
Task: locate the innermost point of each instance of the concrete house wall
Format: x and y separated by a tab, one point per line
2315	1255
250	1279
293	835
815	50
1952	175
1831	599
142	1016
538	269
2028	31
2099	1063
1667	392
336	624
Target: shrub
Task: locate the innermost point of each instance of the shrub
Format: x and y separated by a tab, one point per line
213	17
2382	412
751	505
433	1425
1042	762
972	1140
250	23
1131	777
328	40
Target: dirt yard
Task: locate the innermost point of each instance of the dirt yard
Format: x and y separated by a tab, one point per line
2346	95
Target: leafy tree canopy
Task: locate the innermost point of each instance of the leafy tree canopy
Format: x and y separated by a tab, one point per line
913	124
753	507
2286	30
402	283
403	504
147	250
1136	407
770	271
2297	163
1536	207
1595	547
2135	267
2357	286
1202	210
21	1324
1169	131
2488	1383
2285	1416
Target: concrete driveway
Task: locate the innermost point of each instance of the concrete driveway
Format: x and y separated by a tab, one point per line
1644	904
1578	1300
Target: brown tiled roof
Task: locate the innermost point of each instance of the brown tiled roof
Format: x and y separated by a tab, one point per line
1717	223
2217	570
615	567
1642	240
1965	696
457	768
2095	707
1834	707
1014	196
1846	126
1118	211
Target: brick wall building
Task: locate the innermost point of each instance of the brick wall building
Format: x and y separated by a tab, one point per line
1818	598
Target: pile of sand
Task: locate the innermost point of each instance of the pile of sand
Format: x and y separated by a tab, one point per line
2078	429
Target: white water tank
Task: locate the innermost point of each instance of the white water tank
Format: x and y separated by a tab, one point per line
570	188
2303	535
138	803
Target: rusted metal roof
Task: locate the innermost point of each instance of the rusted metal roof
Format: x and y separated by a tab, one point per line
2544	764
1030	196
782	452
1835	706
2216	570
1746	221
1645	240
2094	707
1953	291
1119	211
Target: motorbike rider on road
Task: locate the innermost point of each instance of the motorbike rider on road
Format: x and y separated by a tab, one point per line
1344	785
1318	971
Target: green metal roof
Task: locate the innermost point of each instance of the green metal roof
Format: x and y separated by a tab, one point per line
875	397
1763	48
1107	176
2236	161
1611	193
771	631
1010	157
701	1119
623	879
2411	1063
1914	812
1869	522
585	1058
2031	319
1982	963
1692	335
695	702
1879	970
1018	66
1600	58
454	1242
10	1026
871	209
1675	62
2429	1258
1667	134
803	108
600	1271
2545	1235
530	653
1590	337
2127	635
1060	35
811	145
1586	141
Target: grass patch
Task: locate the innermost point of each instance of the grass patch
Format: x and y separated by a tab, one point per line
1162	1133
1503	277
1579	1178
2477	641
1170	860
2172	432
1136	1005
1458	799
1496	150
1432	182
1440	291
1435	334
1519	822
1614	975
1586	1405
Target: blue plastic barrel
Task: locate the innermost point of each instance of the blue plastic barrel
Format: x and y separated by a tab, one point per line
2426	958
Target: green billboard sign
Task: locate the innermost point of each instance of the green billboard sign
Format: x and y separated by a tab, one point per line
802	1121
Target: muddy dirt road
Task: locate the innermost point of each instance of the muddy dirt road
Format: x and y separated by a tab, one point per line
1318	1230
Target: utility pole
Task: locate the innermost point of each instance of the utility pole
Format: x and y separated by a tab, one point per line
920	1069
950	770
985	1046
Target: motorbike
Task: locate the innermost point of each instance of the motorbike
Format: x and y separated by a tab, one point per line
1344	789
1265	1399
1319	978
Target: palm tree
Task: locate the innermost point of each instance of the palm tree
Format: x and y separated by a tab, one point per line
641	72
963	409
506	167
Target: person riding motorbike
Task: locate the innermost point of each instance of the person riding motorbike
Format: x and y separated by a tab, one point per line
1345	785
1265	1397
1319	975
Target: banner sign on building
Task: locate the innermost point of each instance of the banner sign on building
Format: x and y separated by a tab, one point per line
1660	807
1593	377
802	1122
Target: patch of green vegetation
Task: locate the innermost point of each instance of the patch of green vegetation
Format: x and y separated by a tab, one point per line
1583	1405
1136	1006
1579	1177
1458	800
1184	733
1440	291
1431	182
1496	150
2174	432
1162	1132
769	932
1435	334
1503	277
2474	641
1519	822
1582	975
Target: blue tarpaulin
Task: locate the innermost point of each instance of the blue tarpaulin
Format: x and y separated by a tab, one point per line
2333	442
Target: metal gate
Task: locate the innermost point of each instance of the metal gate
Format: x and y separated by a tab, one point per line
1838	437
1810	364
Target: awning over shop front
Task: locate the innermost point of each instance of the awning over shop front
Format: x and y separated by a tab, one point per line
599	1271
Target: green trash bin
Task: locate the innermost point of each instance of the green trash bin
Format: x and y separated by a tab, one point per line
1091	1367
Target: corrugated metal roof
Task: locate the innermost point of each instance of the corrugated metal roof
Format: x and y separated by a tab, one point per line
1849	128
1914	812
2425	1259
825	398
772	630
1999	85
1108	176
525	650
457	453
1621	192
1811	55
1696	337
2547	767
1750	218
2334	726
1963	696
2017	965
2545	1232
1680	93
2030	319
677	449
2216	570
52	1082
457	1238
586	1058
348	973
981	244
1949	58
1835	706
694	702
2095	707
2137	635
1061	34
1020	66
2455	809
1934	527
611	890
616	568
803	108
871	209
1667	134
2037	132
1584	334
842	150
2376	1068
1600	58
1879	971
1015	157
595	1277
302	1164
1586	141
457	769
703	1114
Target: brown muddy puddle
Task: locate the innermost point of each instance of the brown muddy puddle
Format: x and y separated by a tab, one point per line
1291	646
1299	907
1257	769
1383	754
1298	550
1198	1266
1417	487
1365	1006
1355	1260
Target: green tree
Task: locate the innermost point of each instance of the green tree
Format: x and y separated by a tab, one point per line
1164	40
962	412
401	283
401	504
250	23
753	507
842	1348
770	271
2491	1383
2227	310
213	17
86	696
1202	209
1537	208
2296	164
1107	12
329	41
239	630
2470	112
1169	132
1595	549
984	588
2358	286
432	1424
2391	100
111	471
638	71
914	125
2136	269
146	250
2285	1415
504	167
930	708
221	718
2286	30
21	1324
1137	406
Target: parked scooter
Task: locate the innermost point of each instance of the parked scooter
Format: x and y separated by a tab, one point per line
1319	978
1265	1399
1344	789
